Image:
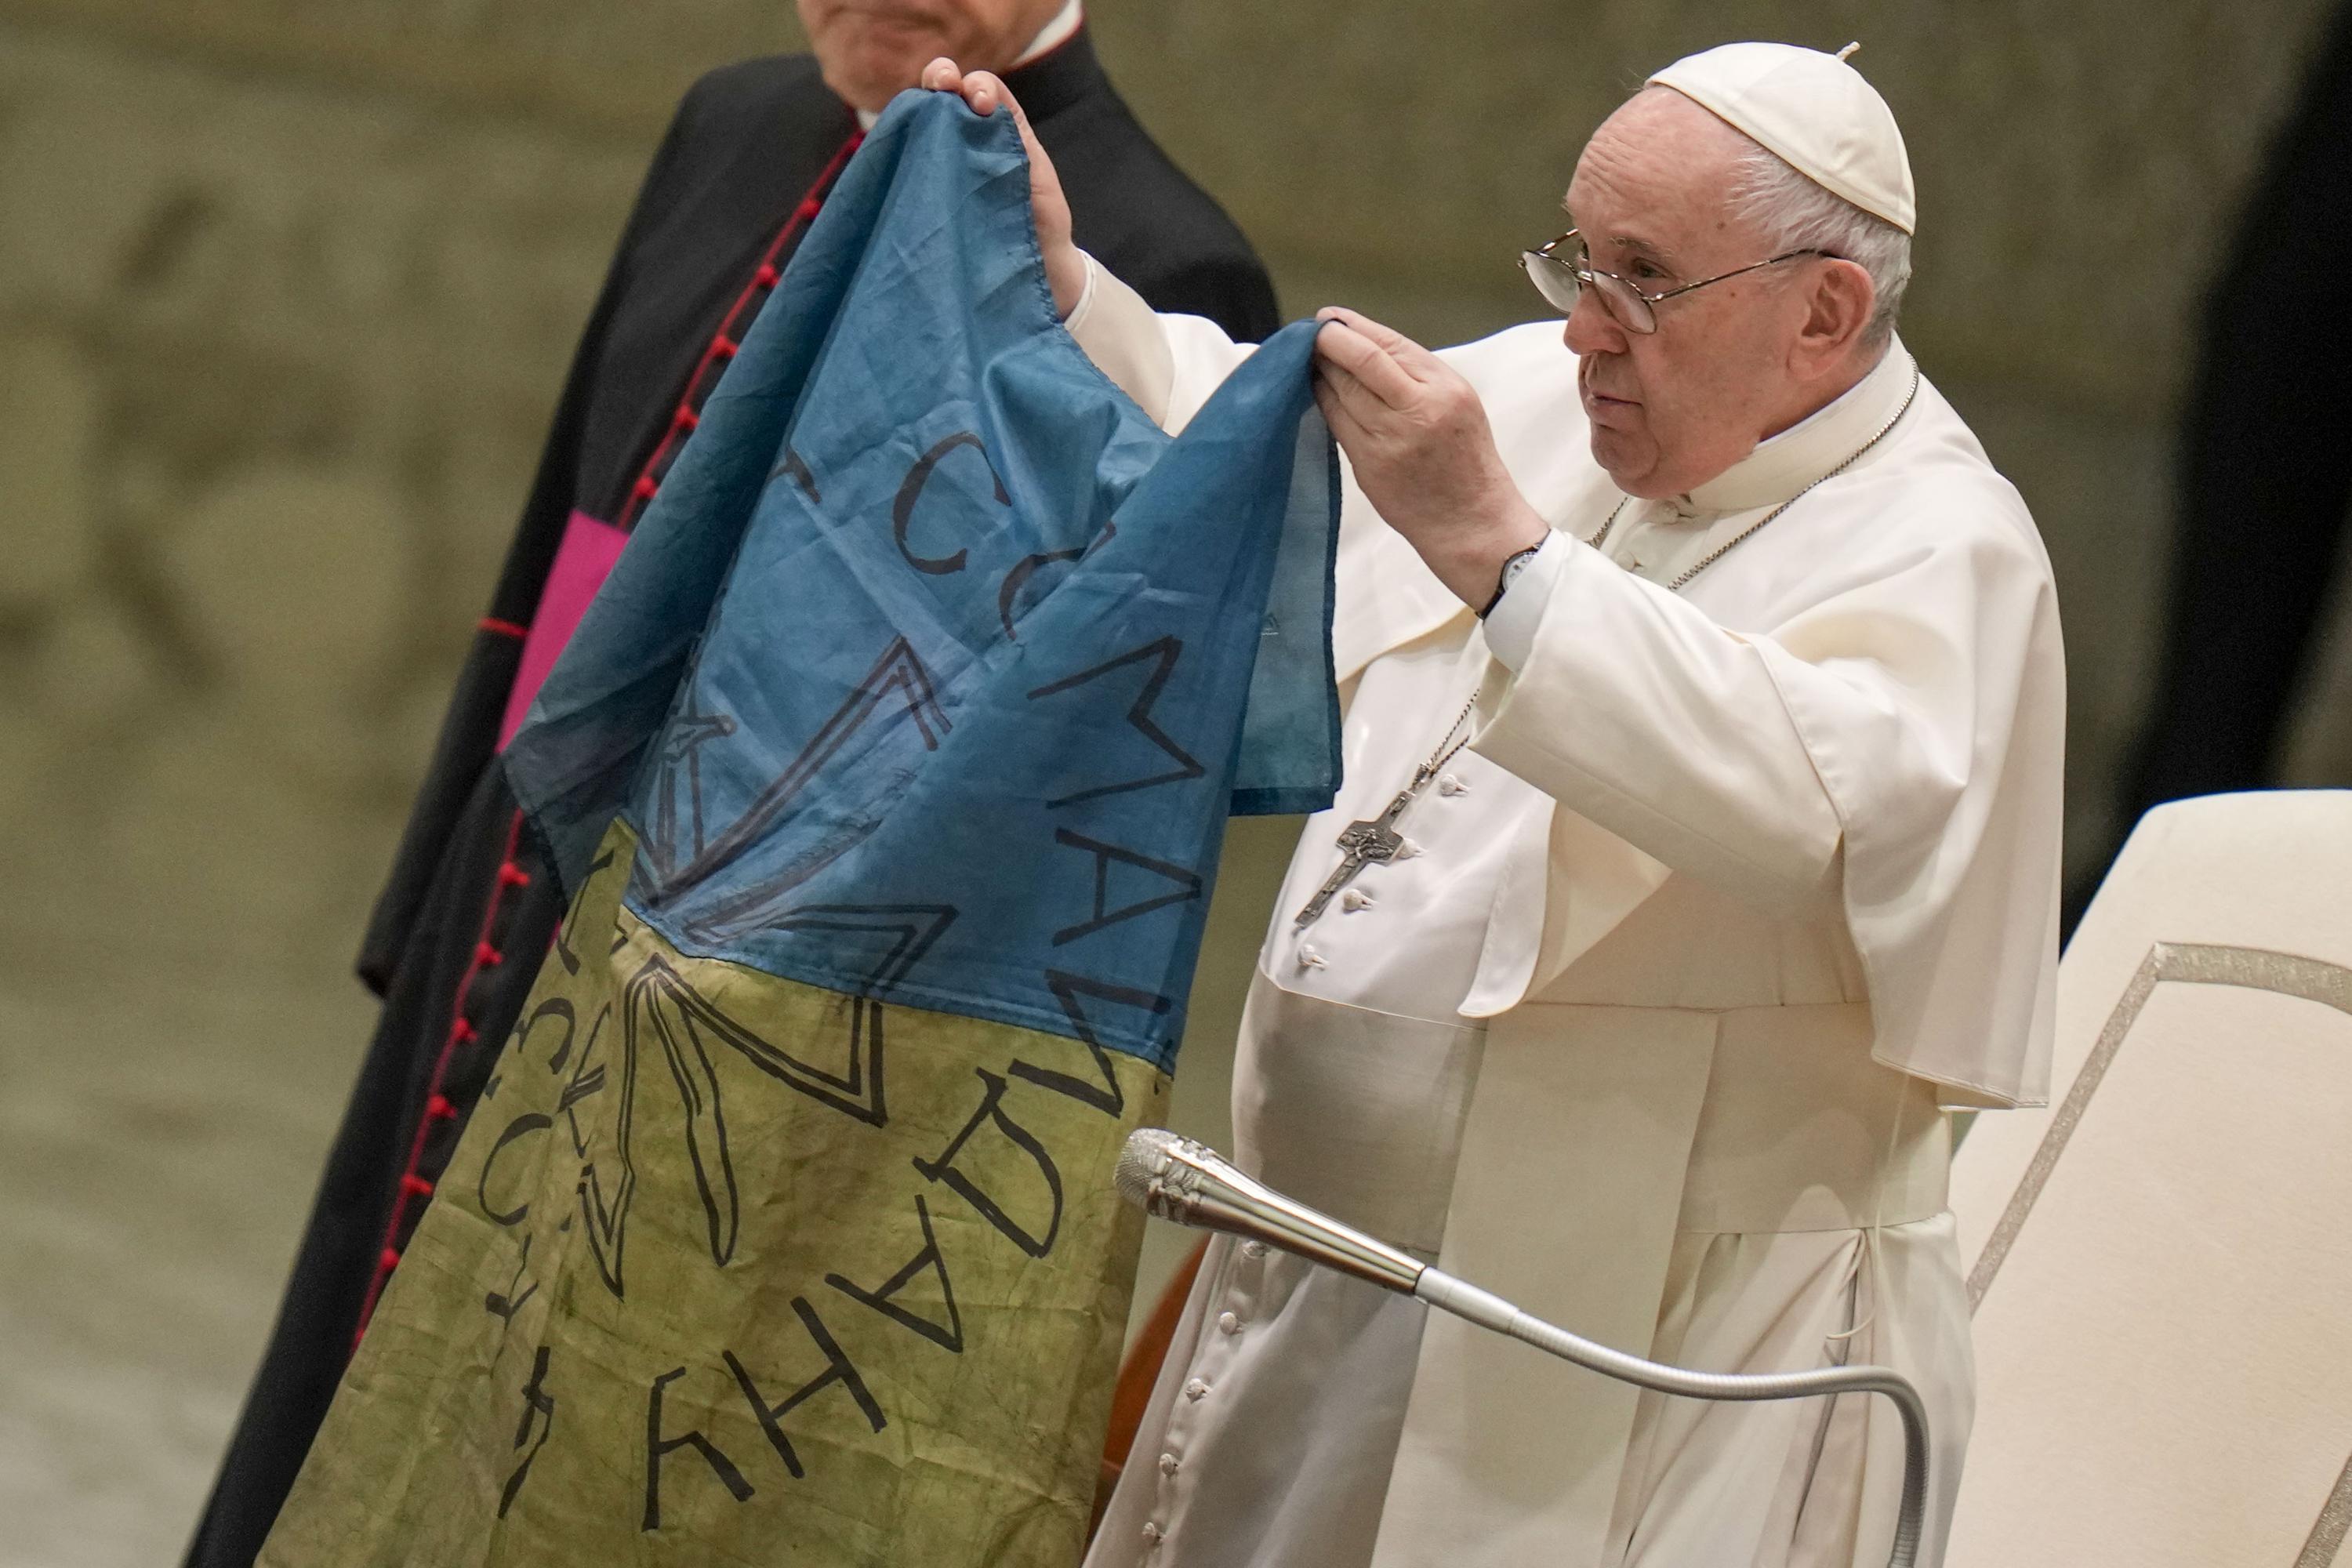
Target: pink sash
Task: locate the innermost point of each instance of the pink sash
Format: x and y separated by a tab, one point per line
581	563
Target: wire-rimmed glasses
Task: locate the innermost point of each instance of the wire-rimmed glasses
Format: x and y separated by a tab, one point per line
1562	275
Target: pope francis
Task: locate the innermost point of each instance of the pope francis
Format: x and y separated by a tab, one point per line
1699	849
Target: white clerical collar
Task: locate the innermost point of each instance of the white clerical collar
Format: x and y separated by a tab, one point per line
1056	34
1784	464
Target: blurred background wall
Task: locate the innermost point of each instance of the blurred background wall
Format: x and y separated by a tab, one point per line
286	287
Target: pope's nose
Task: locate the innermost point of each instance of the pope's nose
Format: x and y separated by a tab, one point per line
1589	328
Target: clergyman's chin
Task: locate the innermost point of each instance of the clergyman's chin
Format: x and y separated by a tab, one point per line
869	72
1625	468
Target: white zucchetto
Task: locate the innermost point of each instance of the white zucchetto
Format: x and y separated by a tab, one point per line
1812	109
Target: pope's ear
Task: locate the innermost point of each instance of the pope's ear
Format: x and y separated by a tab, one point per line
1839	309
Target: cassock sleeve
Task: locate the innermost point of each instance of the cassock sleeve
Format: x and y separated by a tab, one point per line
1891	746
1511	625
1168	364
1634	709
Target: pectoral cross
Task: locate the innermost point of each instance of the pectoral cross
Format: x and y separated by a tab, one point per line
1373	840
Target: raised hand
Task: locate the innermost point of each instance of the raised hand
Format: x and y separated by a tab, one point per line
1065	267
1417	437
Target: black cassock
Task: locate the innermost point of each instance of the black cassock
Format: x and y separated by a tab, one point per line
466	915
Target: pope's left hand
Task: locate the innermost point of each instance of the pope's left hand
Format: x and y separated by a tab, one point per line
1417	437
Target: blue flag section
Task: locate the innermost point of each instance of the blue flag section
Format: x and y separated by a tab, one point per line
887	776
931	617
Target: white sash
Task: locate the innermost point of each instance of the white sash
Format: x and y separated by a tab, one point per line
1595	1135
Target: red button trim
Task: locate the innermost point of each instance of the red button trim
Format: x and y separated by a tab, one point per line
644	488
438	1108
512	876
415	1185
765	278
688	419
488	957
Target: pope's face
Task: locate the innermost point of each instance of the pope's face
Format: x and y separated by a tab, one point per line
873	49
1673	408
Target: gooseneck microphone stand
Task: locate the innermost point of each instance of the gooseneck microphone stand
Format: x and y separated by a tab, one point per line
1176	1179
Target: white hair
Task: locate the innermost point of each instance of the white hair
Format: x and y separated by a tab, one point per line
1792	212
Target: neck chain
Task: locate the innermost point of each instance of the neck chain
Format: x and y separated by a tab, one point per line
1376	840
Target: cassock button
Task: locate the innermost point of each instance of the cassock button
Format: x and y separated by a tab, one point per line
1152	1532
1355	899
1196	1389
1227	1324
1169	1464
1406	849
1253	1249
1448	785
1308	958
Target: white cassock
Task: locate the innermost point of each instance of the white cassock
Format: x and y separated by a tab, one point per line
1652	1029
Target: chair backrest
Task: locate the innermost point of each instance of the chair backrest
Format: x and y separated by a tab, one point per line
2160	1263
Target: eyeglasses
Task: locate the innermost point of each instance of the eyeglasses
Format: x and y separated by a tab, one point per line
1561	278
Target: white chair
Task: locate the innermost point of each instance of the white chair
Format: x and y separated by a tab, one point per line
2160	1263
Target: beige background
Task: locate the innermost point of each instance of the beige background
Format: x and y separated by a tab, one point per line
286	291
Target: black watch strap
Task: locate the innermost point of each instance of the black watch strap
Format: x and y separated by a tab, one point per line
1513	564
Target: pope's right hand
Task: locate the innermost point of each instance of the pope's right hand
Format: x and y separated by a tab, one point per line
1065	266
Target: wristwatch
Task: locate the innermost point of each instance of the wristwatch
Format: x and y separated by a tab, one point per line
1512	566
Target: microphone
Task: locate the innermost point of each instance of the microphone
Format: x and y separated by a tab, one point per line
1174	1178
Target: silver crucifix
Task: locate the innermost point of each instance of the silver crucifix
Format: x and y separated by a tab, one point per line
1373	840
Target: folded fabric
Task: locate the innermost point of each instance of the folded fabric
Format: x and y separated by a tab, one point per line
888	772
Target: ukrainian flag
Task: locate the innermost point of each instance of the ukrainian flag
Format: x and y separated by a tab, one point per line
888	772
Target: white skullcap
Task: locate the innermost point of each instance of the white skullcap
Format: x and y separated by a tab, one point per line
1811	109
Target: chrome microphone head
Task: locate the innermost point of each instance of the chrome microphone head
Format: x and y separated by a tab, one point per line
1154	1174
1173	1178
1143	1160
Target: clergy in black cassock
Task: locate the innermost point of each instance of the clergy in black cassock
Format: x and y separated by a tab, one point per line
467	914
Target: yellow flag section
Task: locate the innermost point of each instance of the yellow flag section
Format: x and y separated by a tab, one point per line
732	1269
